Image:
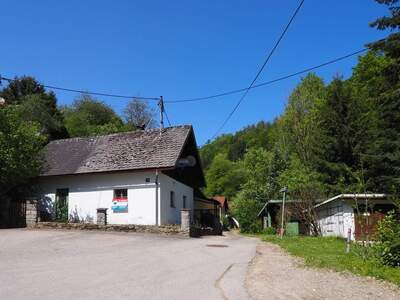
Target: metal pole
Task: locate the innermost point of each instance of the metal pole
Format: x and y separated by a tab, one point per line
348	240
157	210
283	211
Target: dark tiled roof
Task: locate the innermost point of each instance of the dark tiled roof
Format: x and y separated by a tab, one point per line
116	152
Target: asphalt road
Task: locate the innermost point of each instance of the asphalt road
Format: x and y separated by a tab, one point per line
39	264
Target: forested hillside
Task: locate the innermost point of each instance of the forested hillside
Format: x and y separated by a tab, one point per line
337	130
333	137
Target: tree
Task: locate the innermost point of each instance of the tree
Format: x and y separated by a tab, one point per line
338	115
262	169
301	128
20	149
223	177
305	188
139	114
88	116
38	105
384	157
245	211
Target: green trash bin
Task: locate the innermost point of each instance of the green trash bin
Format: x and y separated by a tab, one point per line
292	228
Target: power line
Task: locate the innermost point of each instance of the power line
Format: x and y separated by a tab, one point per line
166	115
329	62
261	69
86	92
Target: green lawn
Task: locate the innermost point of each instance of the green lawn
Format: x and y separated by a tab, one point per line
330	253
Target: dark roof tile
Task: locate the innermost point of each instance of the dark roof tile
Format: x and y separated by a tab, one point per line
116	152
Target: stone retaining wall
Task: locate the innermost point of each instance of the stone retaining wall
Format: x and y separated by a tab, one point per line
163	230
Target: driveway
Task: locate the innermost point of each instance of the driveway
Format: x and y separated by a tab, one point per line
39	264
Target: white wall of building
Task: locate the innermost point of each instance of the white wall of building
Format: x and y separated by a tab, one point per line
335	218
91	191
172	215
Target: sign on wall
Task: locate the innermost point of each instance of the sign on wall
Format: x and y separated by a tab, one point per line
120	205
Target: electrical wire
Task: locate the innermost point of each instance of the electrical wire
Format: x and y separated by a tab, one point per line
232	92
261	69
166	115
86	92
329	62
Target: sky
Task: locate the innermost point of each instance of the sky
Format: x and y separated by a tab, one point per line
183	49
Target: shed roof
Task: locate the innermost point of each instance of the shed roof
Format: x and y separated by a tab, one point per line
116	152
352	196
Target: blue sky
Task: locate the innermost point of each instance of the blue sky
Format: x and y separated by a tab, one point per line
182	49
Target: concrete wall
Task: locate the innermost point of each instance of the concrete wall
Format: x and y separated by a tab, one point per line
335	218
91	191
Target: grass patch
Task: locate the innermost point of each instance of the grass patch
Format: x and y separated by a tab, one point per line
329	252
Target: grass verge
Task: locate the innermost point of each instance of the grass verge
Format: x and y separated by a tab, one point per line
329	252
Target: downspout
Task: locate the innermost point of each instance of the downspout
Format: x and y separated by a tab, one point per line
156	182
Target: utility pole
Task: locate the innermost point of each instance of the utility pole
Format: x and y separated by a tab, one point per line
283	190
161	106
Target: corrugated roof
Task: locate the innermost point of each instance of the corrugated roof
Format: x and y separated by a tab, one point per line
116	152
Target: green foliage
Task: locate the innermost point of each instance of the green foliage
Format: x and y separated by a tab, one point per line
234	146
245	211
37	105
262	169
384	155
88	117
20	149
298	177
388	240
269	231
223	177
62	213
330	253
301	131
225	222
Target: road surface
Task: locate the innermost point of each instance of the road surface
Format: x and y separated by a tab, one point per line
46	264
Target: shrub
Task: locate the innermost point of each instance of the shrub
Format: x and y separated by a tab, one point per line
269	231
245	211
388	240
225	222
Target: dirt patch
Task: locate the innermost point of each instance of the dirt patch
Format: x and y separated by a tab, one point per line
274	274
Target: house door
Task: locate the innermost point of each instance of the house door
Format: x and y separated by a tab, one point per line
61	205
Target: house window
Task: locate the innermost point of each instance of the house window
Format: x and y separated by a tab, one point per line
121	194
147	179
184	201
172	199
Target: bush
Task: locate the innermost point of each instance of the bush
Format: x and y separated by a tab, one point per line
269	231
245	211
225	222
388	240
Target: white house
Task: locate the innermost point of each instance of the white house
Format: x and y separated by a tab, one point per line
141	177
339	214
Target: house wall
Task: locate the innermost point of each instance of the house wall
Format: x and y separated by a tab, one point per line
172	215
91	191
335	218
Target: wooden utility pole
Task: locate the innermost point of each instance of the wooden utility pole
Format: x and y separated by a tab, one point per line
161	106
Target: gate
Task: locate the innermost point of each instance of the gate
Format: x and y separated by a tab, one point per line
367	224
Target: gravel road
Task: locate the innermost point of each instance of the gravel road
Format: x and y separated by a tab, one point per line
274	274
